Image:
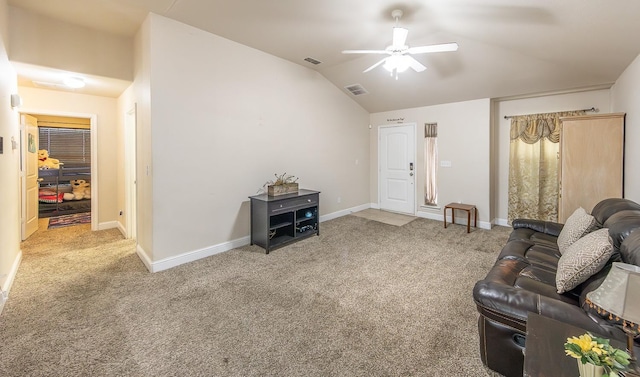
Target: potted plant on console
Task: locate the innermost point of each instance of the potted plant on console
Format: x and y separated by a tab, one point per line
283	184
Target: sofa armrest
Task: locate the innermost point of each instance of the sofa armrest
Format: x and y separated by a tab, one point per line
500	300
547	227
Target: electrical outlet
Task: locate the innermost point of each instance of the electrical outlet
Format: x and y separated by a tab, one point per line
339	199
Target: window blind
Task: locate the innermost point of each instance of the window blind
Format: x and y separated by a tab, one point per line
69	145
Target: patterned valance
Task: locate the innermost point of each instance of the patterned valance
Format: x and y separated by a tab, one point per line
531	128
431	130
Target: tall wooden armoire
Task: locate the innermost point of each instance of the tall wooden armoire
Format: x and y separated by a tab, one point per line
591	161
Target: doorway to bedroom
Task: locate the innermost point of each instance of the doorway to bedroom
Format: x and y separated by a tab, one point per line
61	148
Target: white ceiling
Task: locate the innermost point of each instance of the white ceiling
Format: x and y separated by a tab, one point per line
507	48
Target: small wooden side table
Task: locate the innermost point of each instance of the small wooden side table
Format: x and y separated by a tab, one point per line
463	207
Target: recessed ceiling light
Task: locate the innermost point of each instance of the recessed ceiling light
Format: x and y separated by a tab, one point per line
74	82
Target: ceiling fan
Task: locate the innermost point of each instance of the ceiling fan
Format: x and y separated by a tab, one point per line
399	59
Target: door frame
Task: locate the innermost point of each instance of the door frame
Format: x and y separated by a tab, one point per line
130	177
414	159
94	156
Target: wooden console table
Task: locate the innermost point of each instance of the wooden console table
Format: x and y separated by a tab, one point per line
277	221
462	207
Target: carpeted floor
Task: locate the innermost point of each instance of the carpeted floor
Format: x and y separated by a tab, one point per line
362	299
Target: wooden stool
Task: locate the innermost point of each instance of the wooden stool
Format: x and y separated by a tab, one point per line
463	207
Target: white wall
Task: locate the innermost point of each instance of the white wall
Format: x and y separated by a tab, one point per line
542	104
44	101
41	40
625	98
463	139
10	253
223	119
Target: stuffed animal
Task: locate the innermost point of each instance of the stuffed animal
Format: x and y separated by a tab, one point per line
80	190
46	162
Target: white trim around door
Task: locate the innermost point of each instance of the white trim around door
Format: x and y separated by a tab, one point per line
94	154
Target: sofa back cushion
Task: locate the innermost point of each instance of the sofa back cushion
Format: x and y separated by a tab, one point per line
630	248
621	225
577	225
607	207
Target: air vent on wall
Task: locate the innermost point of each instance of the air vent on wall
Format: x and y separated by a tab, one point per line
356	89
312	61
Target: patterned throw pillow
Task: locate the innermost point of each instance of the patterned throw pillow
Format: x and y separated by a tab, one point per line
582	259
577	225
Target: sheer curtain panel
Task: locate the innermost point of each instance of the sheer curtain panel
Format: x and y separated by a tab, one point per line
431	163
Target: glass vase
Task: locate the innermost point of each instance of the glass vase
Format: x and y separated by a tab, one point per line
590	370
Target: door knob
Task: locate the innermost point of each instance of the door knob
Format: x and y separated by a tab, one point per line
411	174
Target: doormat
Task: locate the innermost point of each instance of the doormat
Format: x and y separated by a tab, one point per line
66	220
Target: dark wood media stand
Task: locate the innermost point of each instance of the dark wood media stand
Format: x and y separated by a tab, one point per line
277	221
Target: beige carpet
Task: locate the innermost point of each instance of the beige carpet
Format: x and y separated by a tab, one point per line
362	299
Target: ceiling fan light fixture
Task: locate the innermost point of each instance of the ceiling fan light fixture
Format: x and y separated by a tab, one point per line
400	59
398	63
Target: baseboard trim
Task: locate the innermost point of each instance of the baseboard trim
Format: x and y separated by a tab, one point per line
107	225
5	288
459	220
191	256
502	222
344	212
121	229
142	254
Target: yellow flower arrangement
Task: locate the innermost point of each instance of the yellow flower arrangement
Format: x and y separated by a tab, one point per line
597	351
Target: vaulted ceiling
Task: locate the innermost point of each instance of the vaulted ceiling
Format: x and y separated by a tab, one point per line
506	47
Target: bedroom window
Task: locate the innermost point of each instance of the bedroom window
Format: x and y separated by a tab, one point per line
431	163
69	145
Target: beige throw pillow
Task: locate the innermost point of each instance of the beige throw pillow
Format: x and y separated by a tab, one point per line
582	259
577	225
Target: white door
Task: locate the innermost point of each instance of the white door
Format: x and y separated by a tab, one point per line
29	143
396	151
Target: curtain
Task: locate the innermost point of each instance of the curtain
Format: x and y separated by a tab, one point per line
533	165
431	163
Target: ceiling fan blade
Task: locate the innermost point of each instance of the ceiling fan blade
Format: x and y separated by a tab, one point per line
444	47
365	52
375	65
414	64
399	36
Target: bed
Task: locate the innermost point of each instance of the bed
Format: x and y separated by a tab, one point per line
54	183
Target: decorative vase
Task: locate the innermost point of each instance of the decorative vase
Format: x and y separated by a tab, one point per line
590	370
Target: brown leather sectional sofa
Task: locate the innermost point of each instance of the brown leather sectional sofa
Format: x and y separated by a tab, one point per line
523	280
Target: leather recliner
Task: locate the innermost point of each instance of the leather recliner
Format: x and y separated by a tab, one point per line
522	280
